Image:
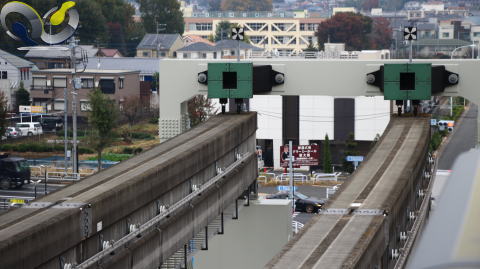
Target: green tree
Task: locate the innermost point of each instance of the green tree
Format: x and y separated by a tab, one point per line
162	12
3	113
22	96
200	108
346	27
310	47
327	156
102	118
350	146
93	25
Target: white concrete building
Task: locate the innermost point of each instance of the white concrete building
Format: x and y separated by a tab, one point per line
13	71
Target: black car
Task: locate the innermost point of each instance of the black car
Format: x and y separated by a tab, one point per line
51	124
303	203
14	172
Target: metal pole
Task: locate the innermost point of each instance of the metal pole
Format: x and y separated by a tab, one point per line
45	183
65	126
238	50
74	104
411	51
290	164
451	106
473	49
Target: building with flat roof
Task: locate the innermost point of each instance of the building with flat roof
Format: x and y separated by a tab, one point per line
48	87
285	32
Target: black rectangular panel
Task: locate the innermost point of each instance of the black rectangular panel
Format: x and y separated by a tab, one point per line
291	119
344	118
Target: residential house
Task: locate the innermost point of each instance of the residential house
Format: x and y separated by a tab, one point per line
190	39
426	30
159	46
113	53
50	59
14	71
224	49
48	87
146	66
429	47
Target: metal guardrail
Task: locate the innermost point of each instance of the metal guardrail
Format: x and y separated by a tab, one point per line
163	215
324	176
296	177
297	226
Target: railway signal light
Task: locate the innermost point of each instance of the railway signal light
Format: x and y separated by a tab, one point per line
411	81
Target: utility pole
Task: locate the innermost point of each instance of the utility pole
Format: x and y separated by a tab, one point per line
73	59
290	164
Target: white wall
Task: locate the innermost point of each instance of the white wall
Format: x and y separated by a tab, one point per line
316	117
269	108
372	115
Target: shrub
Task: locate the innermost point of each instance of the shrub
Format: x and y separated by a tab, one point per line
140	135
114	157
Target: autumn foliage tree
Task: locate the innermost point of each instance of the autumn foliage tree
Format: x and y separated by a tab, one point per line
381	35
346	27
358	32
200	108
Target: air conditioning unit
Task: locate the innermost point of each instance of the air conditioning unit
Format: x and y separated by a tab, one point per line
411	215
421	193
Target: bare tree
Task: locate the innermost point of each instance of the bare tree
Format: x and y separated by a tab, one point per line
200	108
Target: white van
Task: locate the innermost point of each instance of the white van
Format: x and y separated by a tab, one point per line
30	128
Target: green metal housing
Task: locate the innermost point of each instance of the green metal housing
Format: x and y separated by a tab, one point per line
244	80
408	81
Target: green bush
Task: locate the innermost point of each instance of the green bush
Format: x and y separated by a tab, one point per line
153	120
435	141
140	135
132	150
40	147
114	157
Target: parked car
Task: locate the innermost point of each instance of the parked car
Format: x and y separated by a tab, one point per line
14	172
13	132
30	128
303	203
51	124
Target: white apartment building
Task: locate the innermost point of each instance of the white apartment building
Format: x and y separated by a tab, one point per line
285	32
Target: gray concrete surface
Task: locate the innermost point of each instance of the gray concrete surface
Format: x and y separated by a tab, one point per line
464	138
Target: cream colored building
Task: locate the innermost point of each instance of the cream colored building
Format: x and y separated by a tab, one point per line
286	32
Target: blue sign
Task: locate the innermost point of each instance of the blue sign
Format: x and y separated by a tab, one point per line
286	188
354	158
433	122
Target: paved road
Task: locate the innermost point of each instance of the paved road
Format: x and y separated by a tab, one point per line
312	191
29	190
463	139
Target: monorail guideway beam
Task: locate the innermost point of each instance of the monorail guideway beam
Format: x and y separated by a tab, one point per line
398	80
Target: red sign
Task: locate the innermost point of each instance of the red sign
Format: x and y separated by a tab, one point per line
304	155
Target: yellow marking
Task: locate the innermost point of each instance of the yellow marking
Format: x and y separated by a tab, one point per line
17	201
59	16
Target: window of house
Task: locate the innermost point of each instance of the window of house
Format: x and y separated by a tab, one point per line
85	105
87	83
59	82
39	82
59	105
255	26
302	26
204	55
203	26
4	75
121	82
107	85
445	34
146	54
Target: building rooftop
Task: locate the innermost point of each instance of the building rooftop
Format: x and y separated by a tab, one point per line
232	44
252	14
151	41
61	54
442	42
15	60
87	71
199	46
146	66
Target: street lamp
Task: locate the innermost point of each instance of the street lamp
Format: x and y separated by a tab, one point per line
471	45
